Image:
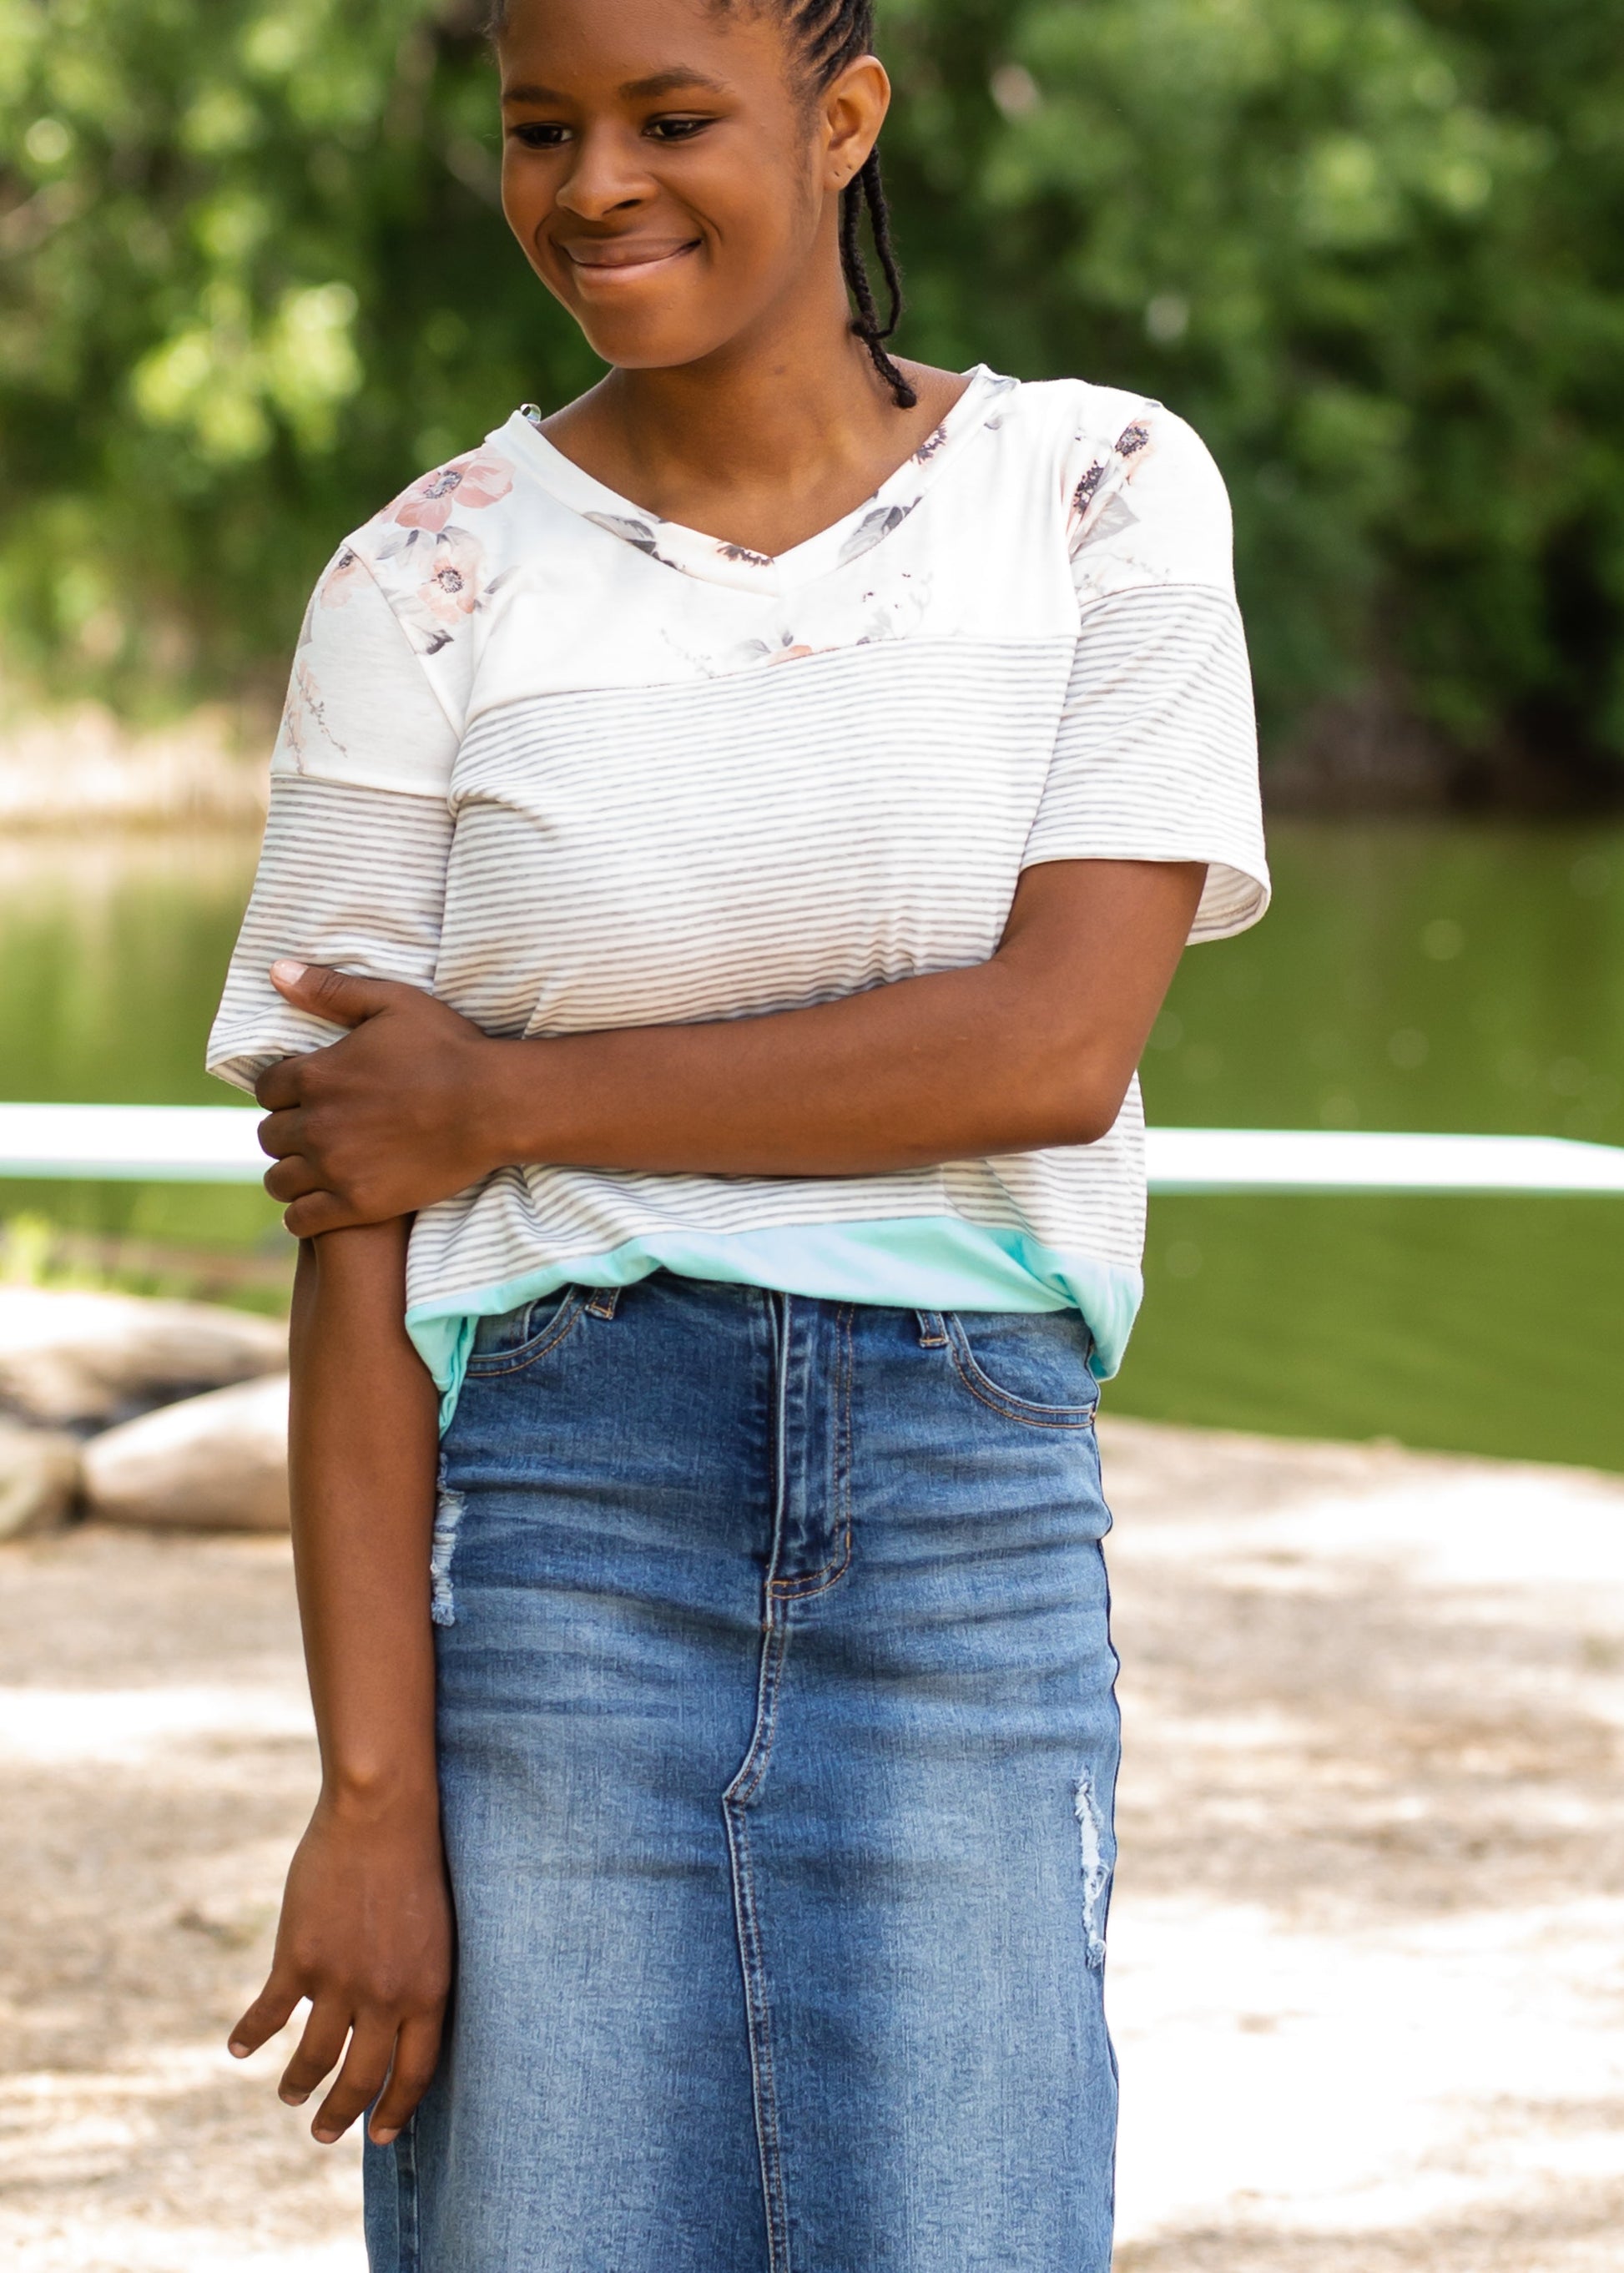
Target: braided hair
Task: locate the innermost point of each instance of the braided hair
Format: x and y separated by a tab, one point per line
830	34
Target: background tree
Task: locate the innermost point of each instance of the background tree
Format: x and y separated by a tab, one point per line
255	278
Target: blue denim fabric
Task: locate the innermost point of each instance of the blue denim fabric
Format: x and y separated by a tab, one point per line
777	1749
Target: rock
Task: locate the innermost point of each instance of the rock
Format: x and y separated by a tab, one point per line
39	1480
87	1361
211	1463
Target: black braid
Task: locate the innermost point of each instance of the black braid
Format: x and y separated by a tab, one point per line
830	35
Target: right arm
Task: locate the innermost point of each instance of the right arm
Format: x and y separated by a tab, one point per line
353	868
365	1928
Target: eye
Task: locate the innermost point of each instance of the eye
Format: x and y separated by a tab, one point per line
540	134
675	130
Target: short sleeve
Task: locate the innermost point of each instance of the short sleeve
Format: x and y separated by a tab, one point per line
1156	754
352	870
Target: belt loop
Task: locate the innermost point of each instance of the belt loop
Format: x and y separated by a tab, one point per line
603	1301
932	1331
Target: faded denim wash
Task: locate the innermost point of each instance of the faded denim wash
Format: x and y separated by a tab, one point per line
777	1749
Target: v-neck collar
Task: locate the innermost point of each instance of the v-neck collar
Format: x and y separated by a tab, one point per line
694	553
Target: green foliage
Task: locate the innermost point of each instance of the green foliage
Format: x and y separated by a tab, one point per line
1372	251
264	279
1374	248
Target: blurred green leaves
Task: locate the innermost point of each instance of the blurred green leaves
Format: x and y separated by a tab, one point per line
1357	243
254	274
255	277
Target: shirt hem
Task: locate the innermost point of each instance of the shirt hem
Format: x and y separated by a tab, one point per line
939	1262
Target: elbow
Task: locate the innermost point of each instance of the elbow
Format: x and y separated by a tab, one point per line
1088	1125
1081	1113
1090	1128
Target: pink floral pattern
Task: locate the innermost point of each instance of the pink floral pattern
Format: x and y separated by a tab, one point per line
341	576
451	589
465	484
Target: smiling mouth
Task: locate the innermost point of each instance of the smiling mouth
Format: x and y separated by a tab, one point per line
626	259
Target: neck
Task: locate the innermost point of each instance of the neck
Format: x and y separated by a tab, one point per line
797	395
766	440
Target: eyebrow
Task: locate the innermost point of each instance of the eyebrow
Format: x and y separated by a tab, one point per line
668	82
635	90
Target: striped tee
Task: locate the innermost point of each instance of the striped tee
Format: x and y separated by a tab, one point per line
569	766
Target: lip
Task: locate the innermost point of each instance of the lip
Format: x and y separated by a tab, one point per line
626	260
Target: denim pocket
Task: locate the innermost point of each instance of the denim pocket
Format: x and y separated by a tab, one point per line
1031	1369
518	1337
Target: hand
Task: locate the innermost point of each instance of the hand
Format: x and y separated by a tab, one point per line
365	1934
384	1121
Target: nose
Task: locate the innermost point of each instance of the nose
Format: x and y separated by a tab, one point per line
608	175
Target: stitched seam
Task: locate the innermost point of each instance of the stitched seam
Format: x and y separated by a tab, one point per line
752	1767
747	1781
814	1582
515	1361
406	2198
849	1365
735	1799
1012	1407
1031	1416
758	2015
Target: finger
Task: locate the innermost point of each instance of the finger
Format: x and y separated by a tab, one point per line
359	2081
291	1179
279	1133
318	1212
267	2014
319	2049
417	2056
335	995
282	1084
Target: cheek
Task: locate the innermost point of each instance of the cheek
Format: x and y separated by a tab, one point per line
527	200
765	226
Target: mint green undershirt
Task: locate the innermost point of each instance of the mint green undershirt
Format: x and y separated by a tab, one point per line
926	1263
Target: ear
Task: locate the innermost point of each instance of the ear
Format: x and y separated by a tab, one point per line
853	109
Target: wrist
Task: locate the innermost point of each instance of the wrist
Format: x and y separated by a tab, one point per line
520	1124
381	1792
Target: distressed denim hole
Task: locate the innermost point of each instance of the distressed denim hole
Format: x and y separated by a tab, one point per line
1095	1857
448	1516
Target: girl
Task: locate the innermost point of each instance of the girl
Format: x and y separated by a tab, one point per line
749	820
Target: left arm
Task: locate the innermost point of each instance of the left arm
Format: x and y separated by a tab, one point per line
1034	1047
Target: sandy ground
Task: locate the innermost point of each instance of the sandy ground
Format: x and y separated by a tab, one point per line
1367	1968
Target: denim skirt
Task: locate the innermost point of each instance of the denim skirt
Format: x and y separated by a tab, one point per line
777	1746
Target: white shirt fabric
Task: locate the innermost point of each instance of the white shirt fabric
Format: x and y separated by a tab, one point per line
570	767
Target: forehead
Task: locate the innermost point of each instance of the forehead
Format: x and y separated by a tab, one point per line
620	43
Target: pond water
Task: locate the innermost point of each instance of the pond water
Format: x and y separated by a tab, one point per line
1412	975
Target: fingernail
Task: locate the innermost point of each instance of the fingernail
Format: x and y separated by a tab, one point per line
236	2050
324	2138
385	2138
290	973
293	2098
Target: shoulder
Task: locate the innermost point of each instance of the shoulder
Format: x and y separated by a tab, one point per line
1141	496
442	550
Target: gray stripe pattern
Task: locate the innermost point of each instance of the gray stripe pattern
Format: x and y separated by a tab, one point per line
1156	758
731	846
349	876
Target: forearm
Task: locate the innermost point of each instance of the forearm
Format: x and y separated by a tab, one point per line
927	1069
362	1467
1035	1047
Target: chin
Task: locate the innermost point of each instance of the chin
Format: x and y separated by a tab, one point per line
649	346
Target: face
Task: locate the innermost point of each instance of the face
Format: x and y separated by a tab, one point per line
669	178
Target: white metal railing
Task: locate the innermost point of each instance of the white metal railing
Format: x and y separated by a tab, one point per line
215	1145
